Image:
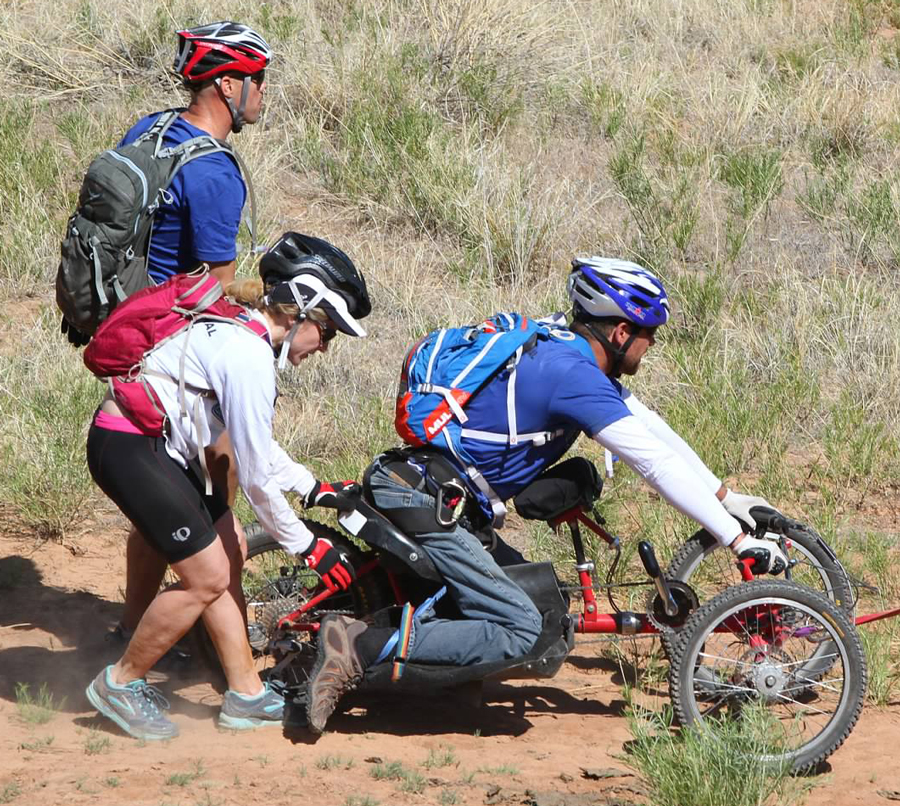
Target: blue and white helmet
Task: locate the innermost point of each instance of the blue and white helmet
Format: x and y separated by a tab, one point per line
601	286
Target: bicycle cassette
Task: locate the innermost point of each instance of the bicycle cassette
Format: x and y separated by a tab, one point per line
685	599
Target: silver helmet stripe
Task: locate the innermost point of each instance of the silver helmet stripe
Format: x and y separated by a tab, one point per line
623	270
182	56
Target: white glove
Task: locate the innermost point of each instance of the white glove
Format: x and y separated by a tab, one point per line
767	556
738	506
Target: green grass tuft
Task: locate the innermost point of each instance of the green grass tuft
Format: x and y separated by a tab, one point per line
96	743
718	765
36	709
10	792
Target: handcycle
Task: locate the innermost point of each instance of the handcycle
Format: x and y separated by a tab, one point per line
788	648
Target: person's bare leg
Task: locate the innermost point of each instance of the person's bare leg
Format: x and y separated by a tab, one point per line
223	472
145	569
226	618
203	578
210	585
222	467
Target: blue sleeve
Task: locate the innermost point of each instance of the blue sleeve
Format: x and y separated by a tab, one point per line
214	197
583	395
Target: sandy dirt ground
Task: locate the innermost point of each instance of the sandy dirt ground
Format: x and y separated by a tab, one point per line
528	743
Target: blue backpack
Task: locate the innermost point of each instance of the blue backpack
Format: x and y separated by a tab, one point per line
445	370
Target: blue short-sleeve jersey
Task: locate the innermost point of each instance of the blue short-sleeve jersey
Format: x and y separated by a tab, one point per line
201	222
558	387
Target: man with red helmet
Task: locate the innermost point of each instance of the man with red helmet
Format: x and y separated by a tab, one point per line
209	54
222	65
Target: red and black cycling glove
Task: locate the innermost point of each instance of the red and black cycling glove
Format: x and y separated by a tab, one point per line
332	495
332	565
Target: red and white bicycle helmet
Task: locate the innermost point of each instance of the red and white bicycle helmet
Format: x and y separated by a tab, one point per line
208	52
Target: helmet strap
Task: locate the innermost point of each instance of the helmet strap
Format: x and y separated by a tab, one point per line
237	112
302	304
242	106
286	344
616	353
304	307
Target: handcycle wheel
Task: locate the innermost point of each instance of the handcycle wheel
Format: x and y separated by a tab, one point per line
709	569
275	584
750	654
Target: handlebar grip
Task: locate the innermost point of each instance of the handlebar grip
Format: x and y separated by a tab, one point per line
648	558
770	519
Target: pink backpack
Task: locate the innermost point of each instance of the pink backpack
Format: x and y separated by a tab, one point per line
146	320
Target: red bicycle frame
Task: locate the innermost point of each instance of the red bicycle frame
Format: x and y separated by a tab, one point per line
590	620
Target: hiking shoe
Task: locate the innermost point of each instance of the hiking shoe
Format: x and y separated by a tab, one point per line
119	636
240	712
338	668
136	707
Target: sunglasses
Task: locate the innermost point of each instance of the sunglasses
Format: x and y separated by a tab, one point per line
649	332
326	333
259	78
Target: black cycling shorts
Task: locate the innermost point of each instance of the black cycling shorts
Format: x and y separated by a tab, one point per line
166	503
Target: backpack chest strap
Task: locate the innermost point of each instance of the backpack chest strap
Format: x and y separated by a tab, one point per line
538	438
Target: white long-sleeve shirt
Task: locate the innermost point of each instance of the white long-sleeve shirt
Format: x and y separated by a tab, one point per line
647	444
234	368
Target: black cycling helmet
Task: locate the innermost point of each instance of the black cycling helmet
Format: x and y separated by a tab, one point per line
313	273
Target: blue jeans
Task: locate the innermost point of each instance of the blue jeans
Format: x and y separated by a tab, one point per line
499	620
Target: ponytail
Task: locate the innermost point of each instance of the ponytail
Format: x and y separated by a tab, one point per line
250	292
247	291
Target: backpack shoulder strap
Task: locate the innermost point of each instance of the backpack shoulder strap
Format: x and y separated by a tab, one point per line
251	221
198	147
160	126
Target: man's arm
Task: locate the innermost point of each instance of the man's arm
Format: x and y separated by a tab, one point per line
657	426
223	272
673	478
215	198
735	504
670	475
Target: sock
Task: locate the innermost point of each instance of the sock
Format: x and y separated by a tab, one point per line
371	642
251	697
117	686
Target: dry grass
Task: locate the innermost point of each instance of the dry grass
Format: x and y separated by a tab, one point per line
462	151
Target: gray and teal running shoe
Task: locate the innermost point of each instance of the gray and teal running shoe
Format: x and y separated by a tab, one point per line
136	707
240	712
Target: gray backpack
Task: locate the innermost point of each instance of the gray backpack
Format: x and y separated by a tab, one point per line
104	252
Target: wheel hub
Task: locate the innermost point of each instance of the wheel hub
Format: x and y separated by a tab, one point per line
768	679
